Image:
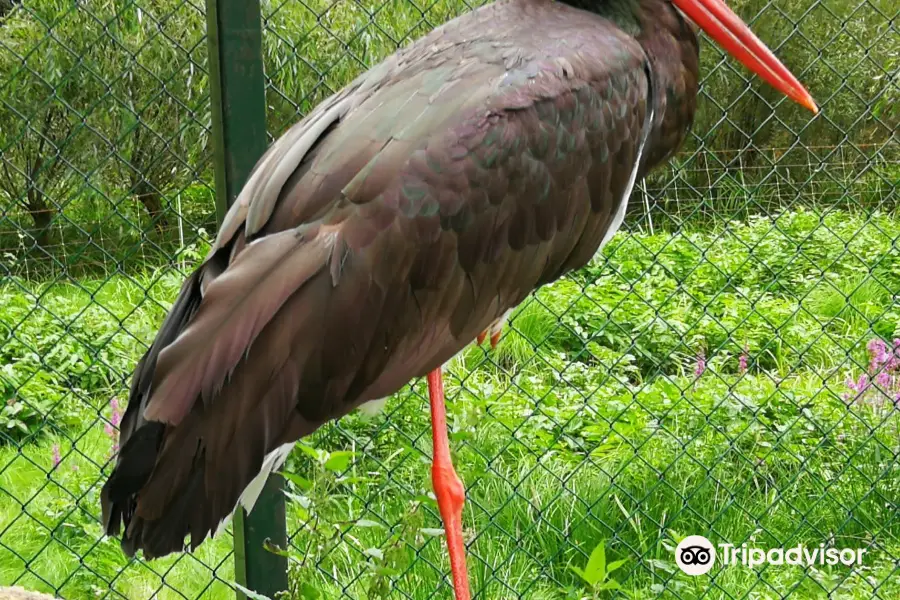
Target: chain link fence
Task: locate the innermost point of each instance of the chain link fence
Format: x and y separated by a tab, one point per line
728	366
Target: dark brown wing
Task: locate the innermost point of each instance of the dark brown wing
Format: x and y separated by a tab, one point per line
374	241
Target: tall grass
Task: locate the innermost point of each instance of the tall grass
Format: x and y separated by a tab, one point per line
587	425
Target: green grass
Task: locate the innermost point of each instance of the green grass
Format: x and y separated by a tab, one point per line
52	539
743	458
852	303
585	426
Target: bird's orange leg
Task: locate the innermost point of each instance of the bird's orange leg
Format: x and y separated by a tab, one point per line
447	487
495	329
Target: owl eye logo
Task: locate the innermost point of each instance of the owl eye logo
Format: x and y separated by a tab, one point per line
695	555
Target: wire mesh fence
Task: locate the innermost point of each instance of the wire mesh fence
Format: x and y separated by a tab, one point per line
727	366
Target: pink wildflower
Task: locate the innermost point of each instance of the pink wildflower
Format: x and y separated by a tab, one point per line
114	420
56	456
879	354
742	361
700	366
859	386
116	415
894	362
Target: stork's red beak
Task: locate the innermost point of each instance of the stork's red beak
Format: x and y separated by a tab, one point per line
726	28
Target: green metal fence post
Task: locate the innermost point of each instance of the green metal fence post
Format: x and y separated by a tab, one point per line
237	90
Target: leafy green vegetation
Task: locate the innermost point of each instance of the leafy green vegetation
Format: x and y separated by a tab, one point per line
104	117
594	428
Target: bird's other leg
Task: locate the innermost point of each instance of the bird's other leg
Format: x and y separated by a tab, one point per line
495	330
447	486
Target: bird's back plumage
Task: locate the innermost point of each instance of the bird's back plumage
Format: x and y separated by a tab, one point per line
374	240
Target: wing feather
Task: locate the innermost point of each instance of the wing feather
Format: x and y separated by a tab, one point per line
237	306
275	167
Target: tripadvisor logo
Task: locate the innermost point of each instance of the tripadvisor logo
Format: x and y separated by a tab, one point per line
696	555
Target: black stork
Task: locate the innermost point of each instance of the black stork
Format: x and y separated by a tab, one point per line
401	219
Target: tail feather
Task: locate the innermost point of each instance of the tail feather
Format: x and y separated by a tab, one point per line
251	493
177	479
272	463
140	440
